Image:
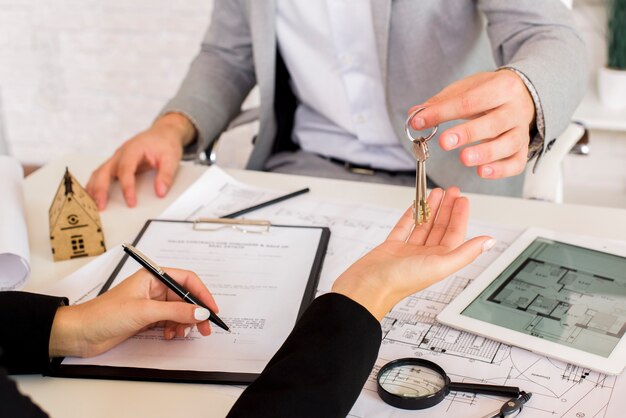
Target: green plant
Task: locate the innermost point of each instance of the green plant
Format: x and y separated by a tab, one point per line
616	34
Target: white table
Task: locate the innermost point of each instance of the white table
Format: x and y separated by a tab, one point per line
102	398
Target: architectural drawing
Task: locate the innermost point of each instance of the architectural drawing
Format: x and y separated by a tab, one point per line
410	329
559	305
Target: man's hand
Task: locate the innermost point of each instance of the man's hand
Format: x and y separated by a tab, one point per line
412	259
160	147
500	110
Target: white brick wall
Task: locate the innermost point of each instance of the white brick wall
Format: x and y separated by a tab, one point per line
84	75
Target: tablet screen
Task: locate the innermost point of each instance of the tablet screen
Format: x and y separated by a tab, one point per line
562	293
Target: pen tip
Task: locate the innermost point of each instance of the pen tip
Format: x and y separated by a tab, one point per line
229	331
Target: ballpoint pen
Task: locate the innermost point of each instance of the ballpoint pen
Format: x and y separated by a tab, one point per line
267	203
172	284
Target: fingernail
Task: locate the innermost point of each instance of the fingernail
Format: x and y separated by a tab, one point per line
187	330
201	314
471	157
487	171
487	245
161	189
130	201
452	140
419	123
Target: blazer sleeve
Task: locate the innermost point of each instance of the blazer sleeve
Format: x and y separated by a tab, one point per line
540	40
321	368
220	76
25	324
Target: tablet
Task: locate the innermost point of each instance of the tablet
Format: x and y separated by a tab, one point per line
556	294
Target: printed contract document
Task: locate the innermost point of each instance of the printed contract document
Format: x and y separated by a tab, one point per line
261	281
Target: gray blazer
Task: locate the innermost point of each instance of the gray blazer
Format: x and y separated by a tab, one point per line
423	46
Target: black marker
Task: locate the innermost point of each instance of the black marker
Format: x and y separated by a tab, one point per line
172	284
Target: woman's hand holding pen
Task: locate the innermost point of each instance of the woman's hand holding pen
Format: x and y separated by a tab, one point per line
400	267
138	303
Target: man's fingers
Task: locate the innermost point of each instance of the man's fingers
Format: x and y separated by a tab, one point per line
506	145
126	171
443	217
491	125
455	89
462	106
479	95
99	184
507	167
166	170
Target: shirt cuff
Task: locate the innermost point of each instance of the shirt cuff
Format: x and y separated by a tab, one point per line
538	132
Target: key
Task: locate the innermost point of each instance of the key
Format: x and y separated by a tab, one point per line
421	210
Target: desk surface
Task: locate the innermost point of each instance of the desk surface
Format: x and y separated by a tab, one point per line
94	398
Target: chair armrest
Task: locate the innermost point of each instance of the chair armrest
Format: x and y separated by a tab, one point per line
209	155
246	116
546	182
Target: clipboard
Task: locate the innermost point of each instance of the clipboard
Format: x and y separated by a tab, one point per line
209	231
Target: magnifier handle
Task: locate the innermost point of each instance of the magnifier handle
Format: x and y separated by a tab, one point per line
495	390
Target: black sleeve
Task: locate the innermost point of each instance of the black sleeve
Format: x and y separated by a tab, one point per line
321	368
25	324
13	403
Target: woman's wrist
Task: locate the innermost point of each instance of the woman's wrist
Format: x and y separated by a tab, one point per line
377	299
66	334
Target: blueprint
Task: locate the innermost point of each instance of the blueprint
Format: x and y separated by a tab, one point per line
410	329
581	304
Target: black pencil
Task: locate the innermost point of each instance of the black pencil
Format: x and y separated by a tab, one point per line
264	204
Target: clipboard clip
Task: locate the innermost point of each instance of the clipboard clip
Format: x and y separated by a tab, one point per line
247	226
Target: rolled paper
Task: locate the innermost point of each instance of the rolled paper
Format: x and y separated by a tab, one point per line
14	252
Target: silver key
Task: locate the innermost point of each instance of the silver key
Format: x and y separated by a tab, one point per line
421	210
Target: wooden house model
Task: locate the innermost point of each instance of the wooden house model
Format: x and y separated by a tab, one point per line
75	228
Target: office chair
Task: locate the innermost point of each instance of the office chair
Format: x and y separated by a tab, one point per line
208	156
285	104
545	182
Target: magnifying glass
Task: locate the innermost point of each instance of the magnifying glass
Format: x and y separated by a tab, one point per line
412	383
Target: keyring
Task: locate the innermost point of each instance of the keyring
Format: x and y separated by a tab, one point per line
413	383
407	128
